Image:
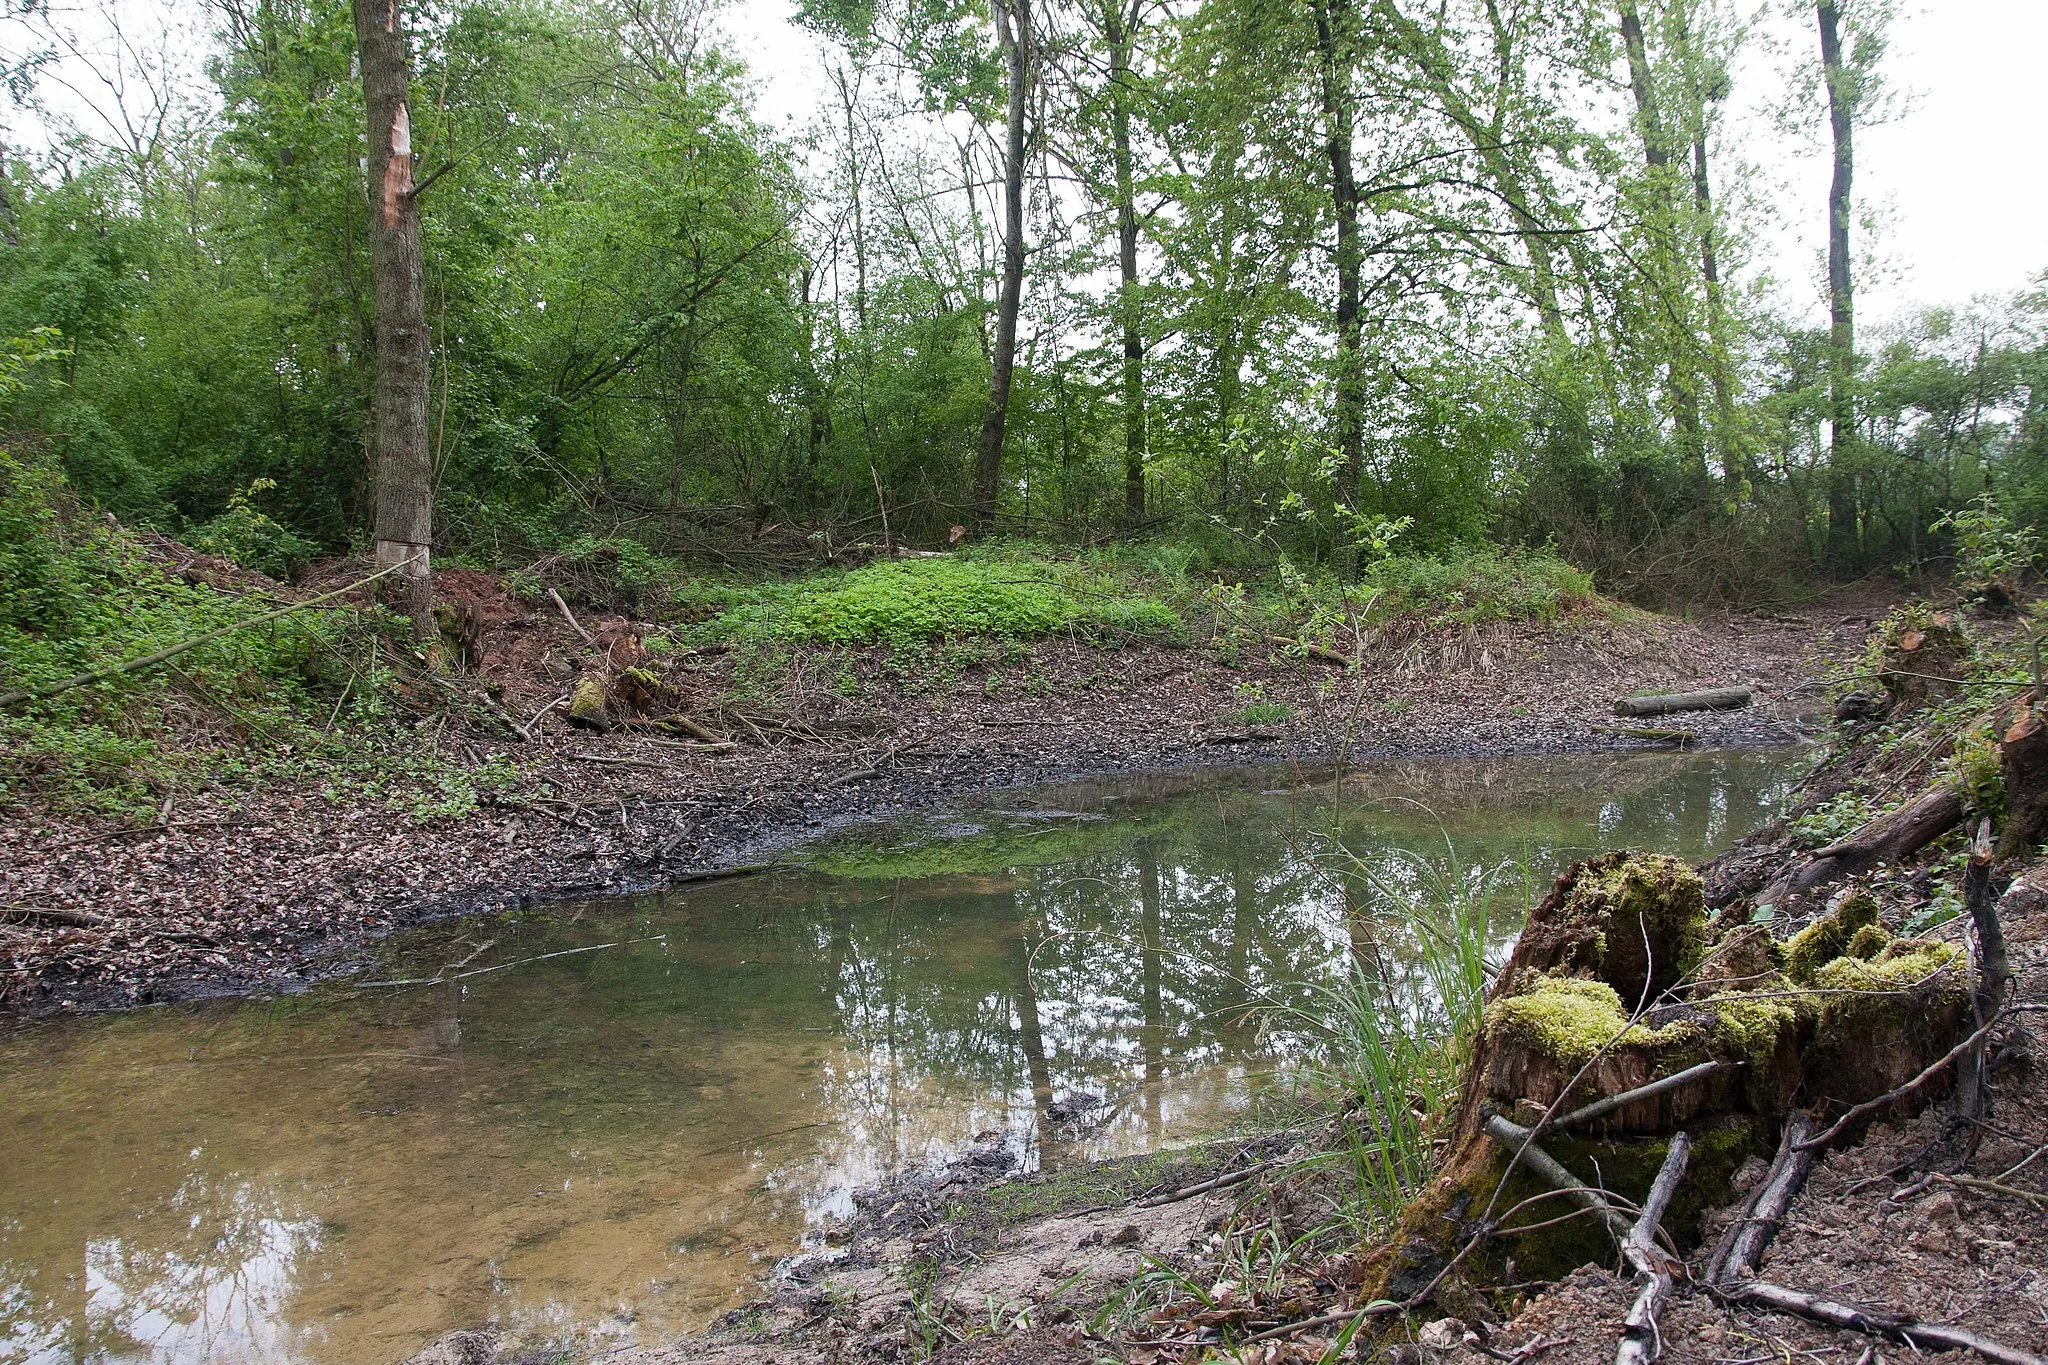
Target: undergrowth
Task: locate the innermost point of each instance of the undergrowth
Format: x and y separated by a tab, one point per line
310	697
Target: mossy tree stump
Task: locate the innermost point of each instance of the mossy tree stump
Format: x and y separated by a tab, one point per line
1619	980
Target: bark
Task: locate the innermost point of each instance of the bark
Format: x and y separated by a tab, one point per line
1841	294
1015	37
403	469
1339	116
1117	29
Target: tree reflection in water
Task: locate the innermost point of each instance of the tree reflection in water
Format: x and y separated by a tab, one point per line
621	1142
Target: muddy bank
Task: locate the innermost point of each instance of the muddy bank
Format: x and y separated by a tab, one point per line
232	893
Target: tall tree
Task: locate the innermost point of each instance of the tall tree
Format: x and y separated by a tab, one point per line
1017	39
1119	20
1336	57
404	518
1840	78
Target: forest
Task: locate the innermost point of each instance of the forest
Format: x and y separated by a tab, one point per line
1311	282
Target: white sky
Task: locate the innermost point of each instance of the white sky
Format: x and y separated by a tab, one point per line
1959	185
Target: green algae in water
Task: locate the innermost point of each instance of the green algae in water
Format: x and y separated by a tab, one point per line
618	1144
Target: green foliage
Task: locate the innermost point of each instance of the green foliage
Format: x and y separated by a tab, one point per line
1972	771
905	602
1989	547
1480	583
1833	820
244	534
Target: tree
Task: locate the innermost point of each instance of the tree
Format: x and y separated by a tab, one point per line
404	518
1017	39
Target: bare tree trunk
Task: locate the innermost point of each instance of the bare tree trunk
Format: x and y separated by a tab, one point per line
1333	47
1014	37
1118	30
1710	261
1841	293
403	528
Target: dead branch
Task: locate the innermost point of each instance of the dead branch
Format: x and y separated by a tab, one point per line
1521	1145
1602	1108
1311	649
1886	839
1987	995
1678	737
1221	1182
1641	1340
1877	1322
570	617
1743	1247
82	919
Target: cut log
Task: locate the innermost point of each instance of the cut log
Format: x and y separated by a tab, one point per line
1712	699
1678	737
1886	839
2023	762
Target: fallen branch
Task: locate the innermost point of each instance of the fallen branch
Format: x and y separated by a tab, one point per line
82	919
1711	699
1641	1339
1601	1108
1679	737
1886	839
1522	1147
1972	1182
1987	996
1877	1322
570	617
1743	1247
162	656
1221	1182
1312	650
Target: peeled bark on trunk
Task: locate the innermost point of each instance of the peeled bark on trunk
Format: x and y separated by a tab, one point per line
1014	36
1842	538
403	472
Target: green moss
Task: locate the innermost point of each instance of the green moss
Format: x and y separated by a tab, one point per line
586	701
1866	943
1654	908
1828	937
1569	1019
1902	964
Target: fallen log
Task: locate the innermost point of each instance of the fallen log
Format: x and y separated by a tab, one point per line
1711	699
1886	839
1742	1249
1877	1322
1678	737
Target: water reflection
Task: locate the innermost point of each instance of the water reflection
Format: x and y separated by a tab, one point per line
638	1106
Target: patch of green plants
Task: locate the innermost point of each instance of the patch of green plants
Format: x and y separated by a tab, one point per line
1833	820
952	598
1258	708
1477	584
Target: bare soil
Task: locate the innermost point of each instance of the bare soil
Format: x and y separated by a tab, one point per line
232	892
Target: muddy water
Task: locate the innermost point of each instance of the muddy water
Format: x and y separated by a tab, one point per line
609	1121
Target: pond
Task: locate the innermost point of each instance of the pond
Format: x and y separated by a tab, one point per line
611	1119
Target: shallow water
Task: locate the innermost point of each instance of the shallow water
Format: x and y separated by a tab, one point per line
611	1119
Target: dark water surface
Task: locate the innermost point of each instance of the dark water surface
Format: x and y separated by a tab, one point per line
621	1113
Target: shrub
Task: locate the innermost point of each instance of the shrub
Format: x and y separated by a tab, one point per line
1477	584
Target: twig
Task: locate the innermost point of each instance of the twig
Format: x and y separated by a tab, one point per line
1221	1182
136	665
83	919
570	617
1602	1108
1641	1340
1994	1187
1877	1322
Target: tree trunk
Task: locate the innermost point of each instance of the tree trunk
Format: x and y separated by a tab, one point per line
403	469
1718	365
1118	31
1841	294
1014	37
1333	46
1680	385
